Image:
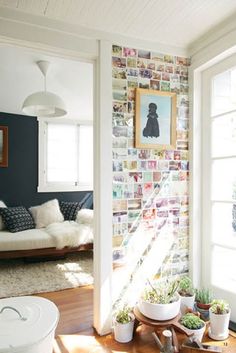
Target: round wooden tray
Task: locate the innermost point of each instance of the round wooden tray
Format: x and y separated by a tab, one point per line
161	324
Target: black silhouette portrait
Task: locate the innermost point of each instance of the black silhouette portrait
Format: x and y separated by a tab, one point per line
152	126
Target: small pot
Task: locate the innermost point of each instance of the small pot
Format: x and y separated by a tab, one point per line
197	334
203	306
124	332
219	326
186	302
161	312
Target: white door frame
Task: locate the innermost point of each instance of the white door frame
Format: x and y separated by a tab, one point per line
100	54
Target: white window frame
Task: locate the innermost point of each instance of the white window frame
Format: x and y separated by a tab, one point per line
207	244
43	185
198	179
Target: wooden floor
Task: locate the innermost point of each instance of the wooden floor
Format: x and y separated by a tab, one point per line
75	333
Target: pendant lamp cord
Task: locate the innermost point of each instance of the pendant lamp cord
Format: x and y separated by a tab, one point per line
45	83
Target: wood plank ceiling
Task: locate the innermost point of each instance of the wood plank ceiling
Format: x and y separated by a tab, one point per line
174	22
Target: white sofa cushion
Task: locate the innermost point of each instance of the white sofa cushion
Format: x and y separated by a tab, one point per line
85	216
2	204
47	213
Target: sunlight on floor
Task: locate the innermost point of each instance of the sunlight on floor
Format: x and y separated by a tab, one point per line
85	344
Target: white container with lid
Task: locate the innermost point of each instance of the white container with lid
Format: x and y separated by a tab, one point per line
27	325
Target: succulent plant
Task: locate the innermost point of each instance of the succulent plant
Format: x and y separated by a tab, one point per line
192	322
203	296
161	293
219	307
186	287
123	314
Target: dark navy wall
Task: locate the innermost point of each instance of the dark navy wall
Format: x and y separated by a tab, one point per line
19	181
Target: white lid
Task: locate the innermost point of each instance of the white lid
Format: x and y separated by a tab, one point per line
41	318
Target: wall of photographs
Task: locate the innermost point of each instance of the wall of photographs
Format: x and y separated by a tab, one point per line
138	174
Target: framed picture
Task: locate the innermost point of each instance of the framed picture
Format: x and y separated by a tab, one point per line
3	146
155	119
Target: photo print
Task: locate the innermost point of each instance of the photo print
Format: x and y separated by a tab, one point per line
154	84
116	50
131	62
135	177
129	52
134	204
118	62
119	205
144	54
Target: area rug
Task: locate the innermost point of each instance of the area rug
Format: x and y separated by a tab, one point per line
19	278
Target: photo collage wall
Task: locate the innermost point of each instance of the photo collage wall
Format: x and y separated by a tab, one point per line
150	187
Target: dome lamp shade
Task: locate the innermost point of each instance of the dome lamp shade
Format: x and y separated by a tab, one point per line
44	103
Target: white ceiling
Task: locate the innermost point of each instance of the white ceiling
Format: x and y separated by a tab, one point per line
20	76
174	22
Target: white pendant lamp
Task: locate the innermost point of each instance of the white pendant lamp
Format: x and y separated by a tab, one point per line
43	103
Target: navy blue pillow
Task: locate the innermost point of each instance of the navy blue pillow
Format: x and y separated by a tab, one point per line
16	219
69	210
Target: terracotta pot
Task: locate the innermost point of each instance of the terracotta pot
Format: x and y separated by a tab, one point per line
203	306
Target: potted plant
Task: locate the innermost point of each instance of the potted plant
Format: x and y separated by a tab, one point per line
203	299
194	324
124	324
219	314
187	294
160	301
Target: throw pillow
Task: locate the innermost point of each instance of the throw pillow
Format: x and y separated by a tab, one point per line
85	216
16	219
69	210
47	213
2	204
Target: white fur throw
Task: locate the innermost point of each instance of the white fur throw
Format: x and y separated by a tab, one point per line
47	213
2	204
70	233
85	216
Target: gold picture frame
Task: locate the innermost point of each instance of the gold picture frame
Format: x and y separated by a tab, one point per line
155	119
3	146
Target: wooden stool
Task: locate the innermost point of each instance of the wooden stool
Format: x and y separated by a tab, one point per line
159	326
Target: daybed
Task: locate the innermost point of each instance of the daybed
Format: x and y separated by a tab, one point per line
41	243
51	229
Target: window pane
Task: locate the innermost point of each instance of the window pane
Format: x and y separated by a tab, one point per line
62	153
224	92
223	271
223	224
223	179
86	154
224	135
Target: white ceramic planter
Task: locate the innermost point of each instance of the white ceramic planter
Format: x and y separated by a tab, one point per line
161	312
27	325
186	302
124	332
219	326
197	334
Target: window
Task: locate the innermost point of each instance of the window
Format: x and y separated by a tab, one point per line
219	181
65	155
